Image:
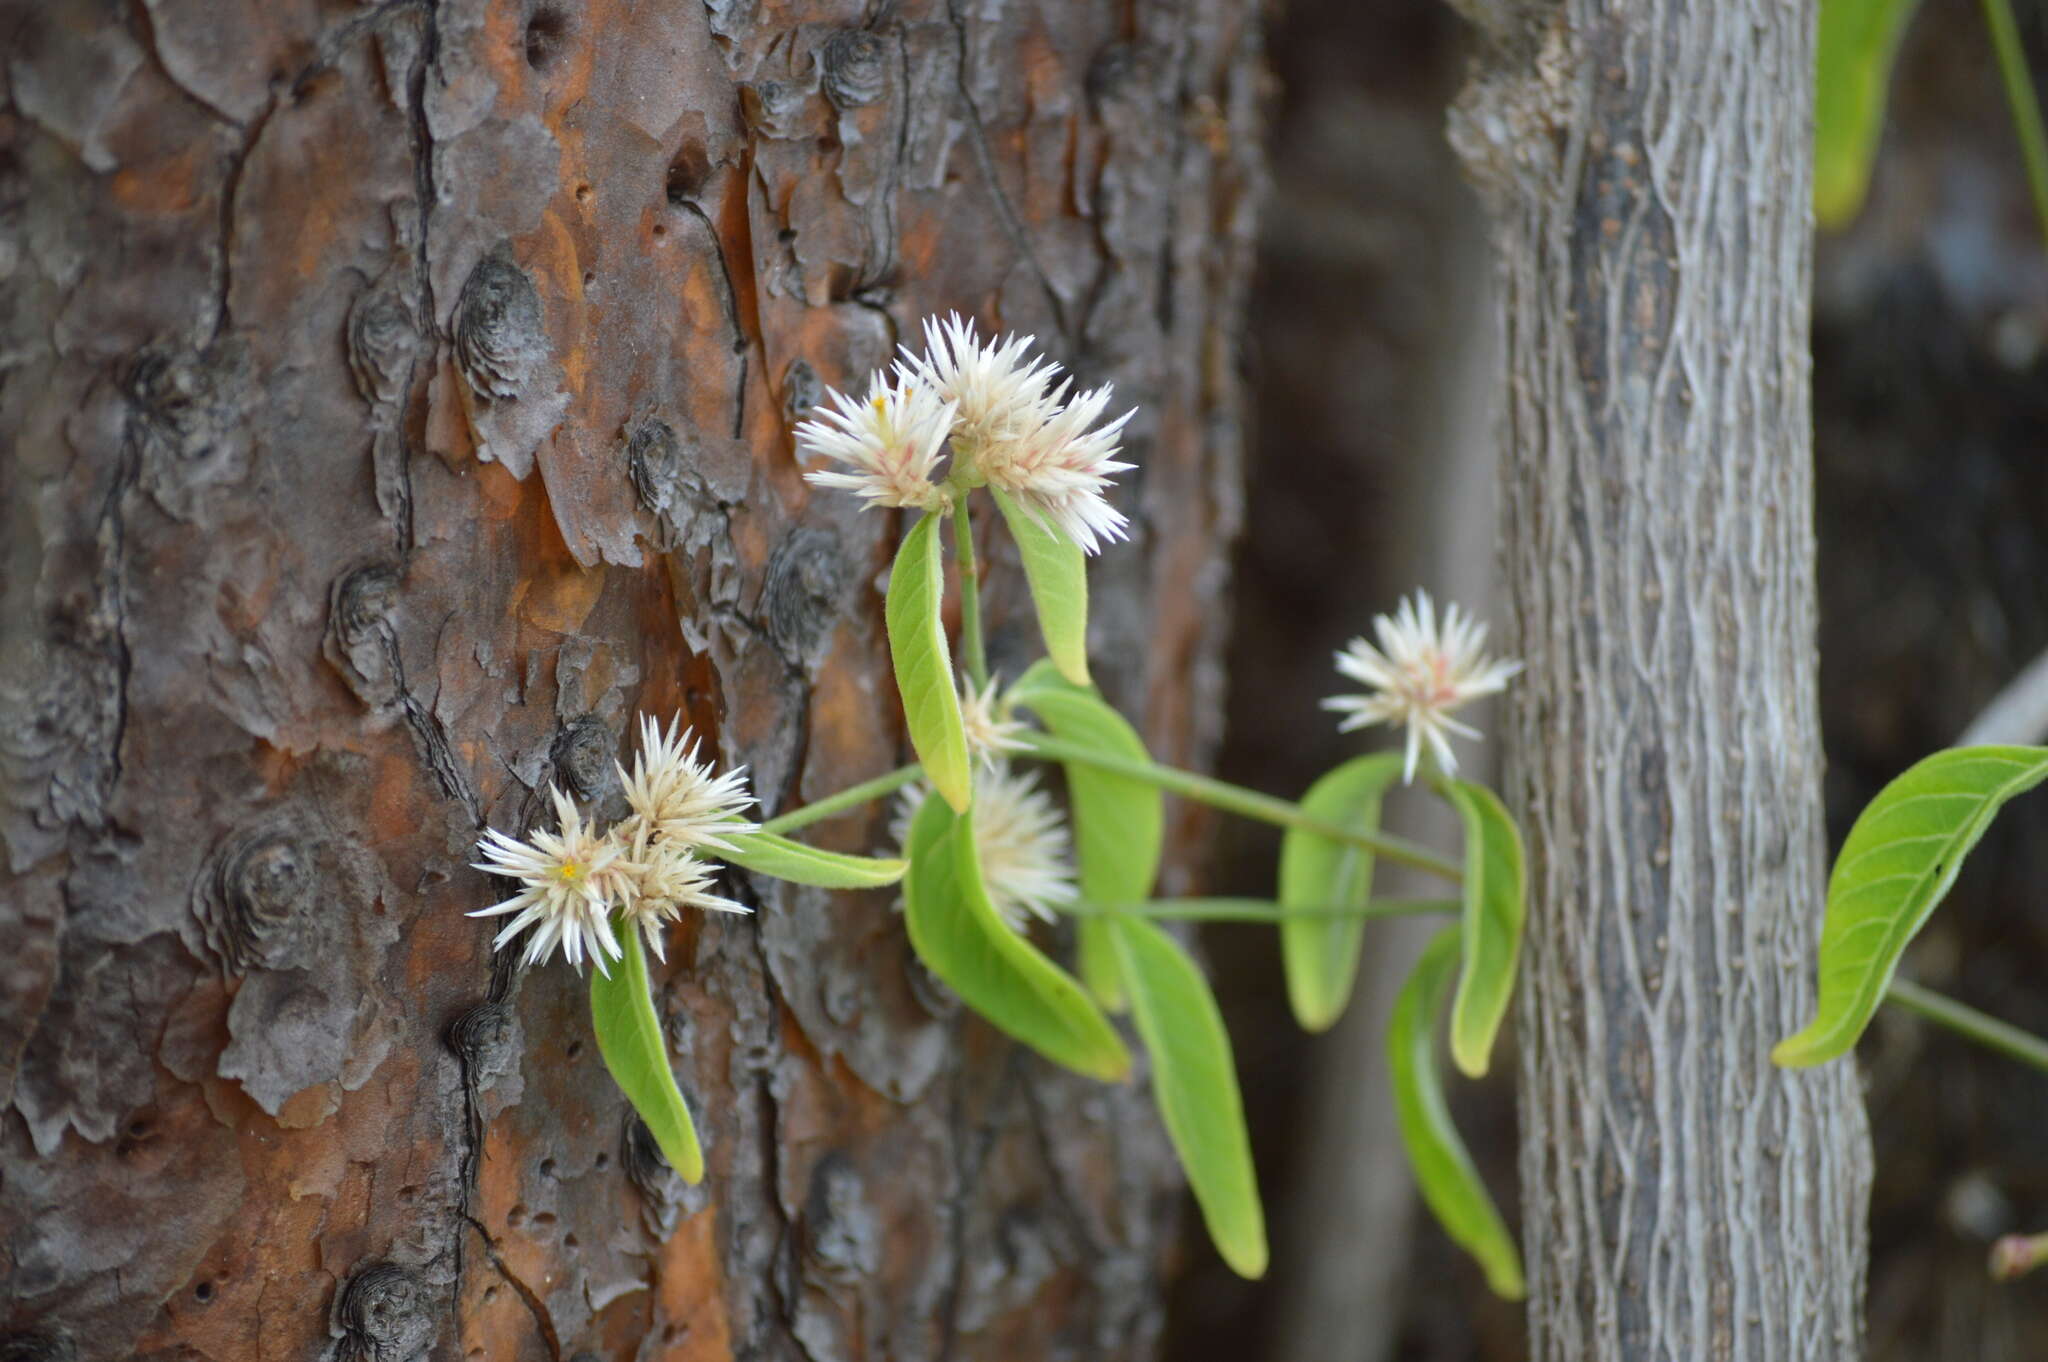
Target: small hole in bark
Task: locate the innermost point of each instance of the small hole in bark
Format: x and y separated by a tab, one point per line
786	235
547	37
602	1162
547	1168
589	278
687	173
583	193
575	1049
569	1241
660	231
203	1292
516	1217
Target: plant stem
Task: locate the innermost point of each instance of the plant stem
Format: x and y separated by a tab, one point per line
2026	108
1254	910
1246	804
852	797
970	597
1969	1023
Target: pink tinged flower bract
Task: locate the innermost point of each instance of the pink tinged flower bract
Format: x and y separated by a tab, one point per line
1420	673
995	387
1059	468
676	794
889	444
570	879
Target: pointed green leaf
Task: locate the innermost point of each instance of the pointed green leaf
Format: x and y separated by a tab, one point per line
1897	864
630	1040
767	854
1119	823
1443	1170
1194	1080
1320	954
1058	573
1858	42
924	663
959	936
1495	893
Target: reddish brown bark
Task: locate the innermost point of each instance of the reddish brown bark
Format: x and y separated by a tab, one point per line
396	400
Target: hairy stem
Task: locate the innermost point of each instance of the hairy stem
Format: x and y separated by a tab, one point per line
2026	108
1254	910
970	598
1245	803
852	797
1970	1024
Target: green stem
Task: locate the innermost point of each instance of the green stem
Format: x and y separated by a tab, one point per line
2026	108
970	598
852	797
1245	803
1254	910
1969	1023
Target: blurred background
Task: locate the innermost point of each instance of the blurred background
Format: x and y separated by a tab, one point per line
1372	374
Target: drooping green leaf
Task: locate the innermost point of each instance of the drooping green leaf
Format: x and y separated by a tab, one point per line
1495	894
959	936
1896	865
1859	40
1443	1170
765	853
1194	1080
924	662
1057	571
1119	822
1320	954
630	1040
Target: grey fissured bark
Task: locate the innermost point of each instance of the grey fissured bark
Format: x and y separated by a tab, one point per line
1647	167
394	401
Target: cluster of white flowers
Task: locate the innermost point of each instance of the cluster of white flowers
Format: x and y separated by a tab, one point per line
1011	427
1419	674
1020	839
645	869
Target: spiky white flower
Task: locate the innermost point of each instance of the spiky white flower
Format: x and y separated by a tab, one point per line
991	734
571	877
677	794
1058	467
995	386
1020	838
890	443
1419	674
666	879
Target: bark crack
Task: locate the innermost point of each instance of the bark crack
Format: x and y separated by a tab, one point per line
538	1308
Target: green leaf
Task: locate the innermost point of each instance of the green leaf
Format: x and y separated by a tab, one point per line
767	854
1897	864
959	936
1119	823
1859	40
924	664
1443	1170
1320	954
1194	1081
629	1037
1058	573
1495	892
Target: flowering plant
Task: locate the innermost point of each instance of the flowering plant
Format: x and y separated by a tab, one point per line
987	855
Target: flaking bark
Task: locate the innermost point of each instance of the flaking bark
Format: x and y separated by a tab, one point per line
394	401
1648	167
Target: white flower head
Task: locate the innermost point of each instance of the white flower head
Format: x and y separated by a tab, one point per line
677	795
995	386
1419	674
1059	467
991	734
666	880
570	879
890	443
1020	839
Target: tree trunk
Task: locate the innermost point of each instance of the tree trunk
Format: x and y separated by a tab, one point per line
1647	165
396	400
